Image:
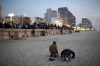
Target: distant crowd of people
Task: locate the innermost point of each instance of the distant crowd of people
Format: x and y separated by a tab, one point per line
29	26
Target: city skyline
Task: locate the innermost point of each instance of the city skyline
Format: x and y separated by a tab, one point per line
37	8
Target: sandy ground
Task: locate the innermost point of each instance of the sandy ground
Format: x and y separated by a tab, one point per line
35	51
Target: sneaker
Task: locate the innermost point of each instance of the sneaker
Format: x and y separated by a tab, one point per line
51	59
66	59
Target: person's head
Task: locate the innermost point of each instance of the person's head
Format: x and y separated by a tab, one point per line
54	42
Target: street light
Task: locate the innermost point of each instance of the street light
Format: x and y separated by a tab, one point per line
11	15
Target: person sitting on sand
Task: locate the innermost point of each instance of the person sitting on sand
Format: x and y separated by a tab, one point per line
53	50
67	54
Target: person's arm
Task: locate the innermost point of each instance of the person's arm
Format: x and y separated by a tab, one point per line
73	54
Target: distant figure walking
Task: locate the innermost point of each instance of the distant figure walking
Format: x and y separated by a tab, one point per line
70	31
33	33
67	54
61	31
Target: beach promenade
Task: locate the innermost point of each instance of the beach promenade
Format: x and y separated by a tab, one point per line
34	51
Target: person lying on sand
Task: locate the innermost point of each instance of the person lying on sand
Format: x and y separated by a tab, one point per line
67	54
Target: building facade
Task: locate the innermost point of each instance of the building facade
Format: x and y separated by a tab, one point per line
86	23
39	20
33	19
68	17
57	21
15	19
49	14
0	13
19	19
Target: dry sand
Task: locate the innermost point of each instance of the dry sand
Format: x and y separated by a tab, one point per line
35	51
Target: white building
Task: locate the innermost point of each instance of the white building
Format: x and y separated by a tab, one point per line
57	21
15	19
51	16
32	20
18	19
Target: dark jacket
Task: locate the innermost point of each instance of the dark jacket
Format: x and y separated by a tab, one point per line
67	52
33	31
53	49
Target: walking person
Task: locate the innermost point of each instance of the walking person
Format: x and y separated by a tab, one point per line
33	33
70	30
61	31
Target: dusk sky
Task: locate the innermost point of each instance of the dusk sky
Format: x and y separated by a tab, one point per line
37	8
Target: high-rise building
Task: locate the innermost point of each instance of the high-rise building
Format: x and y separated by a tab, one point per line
86	23
68	17
0	13
49	14
53	17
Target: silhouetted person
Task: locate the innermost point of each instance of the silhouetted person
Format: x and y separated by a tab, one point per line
61	31
33	33
70	31
0	25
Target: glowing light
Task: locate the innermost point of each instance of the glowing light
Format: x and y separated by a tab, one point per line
58	23
11	15
68	25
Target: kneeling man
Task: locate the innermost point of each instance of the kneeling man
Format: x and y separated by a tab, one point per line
53	50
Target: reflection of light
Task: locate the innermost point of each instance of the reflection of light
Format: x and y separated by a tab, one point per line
74	27
68	25
58	23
